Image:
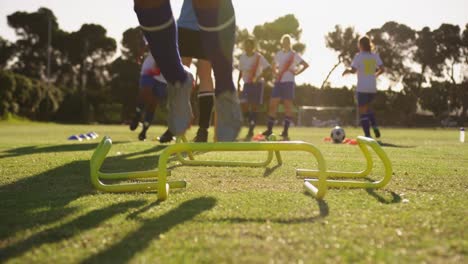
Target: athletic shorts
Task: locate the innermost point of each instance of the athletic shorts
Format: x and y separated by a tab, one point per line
283	90
159	88
252	93
190	44
364	98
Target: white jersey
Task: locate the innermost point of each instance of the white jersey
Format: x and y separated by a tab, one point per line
148	66
247	65
366	64
282	60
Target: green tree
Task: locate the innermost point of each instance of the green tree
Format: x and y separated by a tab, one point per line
31	46
344	42
8	86
6	52
395	44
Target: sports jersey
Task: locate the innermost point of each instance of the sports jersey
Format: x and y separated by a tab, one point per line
366	64
148	68
285	59
247	65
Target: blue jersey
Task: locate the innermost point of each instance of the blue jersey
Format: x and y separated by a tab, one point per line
187	18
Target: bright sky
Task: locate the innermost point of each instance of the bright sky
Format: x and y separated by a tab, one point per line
316	18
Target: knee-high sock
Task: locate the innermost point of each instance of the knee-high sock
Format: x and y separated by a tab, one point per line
217	28
160	31
287	123
372	120
271	123
149	115
252	118
205	106
365	124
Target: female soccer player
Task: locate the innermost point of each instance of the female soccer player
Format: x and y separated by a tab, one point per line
368	67
251	66
152	89
286	66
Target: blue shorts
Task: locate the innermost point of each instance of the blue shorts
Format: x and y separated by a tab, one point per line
159	88
283	90
252	93
364	98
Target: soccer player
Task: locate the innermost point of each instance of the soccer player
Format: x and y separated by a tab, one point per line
216	21
251	66
286	66
368	67
152	89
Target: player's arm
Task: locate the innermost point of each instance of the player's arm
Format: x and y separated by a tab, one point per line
303	66
351	70
379	71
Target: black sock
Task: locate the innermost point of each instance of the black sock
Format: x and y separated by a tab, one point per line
205	104
287	123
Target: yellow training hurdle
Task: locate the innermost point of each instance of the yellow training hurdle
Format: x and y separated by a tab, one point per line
318	183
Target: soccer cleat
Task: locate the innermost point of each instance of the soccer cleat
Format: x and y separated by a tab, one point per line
376	132
134	123
228	116
166	137
202	136
267	133
285	136
142	136
179	108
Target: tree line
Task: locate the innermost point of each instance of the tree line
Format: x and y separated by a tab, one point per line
86	83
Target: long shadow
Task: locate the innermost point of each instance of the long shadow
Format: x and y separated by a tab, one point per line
151	230
67	230
385	199
390	145
323	212
45	198
28	150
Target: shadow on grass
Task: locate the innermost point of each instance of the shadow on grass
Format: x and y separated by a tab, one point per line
323	212
67	230
268	171
390	145
152	230
28	150
383	197
44	198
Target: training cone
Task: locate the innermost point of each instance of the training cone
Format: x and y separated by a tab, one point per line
259	137
75	137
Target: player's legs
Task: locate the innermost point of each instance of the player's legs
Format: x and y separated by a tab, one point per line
254	99
158	25
205	100
217	27
144	90
363	106
150	107
287	94
288	111
272	109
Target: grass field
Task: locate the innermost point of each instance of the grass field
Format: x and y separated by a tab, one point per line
50	213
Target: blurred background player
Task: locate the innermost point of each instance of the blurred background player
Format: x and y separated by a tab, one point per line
251	67
286	66
368	67
216	20
153	88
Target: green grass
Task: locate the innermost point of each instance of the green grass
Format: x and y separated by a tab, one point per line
50	212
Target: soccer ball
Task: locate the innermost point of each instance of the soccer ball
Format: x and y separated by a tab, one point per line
338	134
